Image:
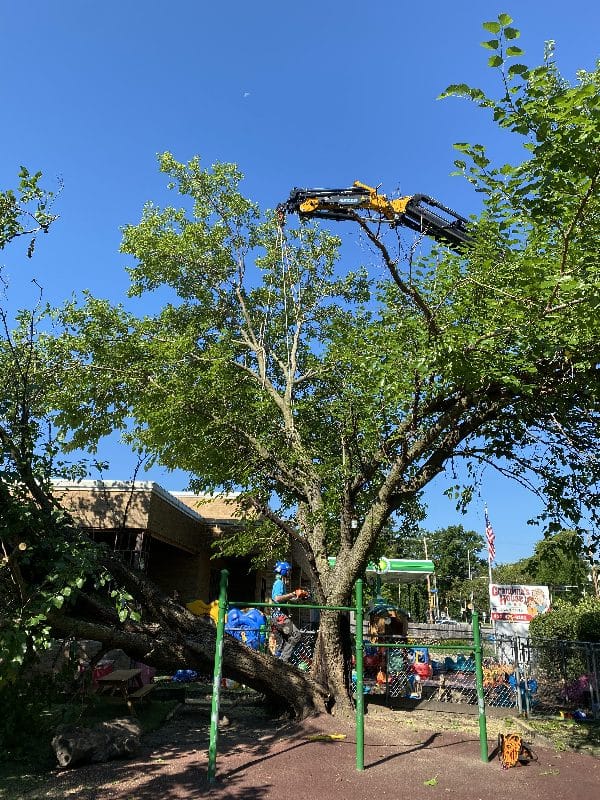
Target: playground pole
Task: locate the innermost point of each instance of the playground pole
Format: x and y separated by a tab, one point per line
360	696
216	693
483	743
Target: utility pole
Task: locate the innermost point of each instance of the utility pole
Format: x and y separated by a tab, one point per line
430	598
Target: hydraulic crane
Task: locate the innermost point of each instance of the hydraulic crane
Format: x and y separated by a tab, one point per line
418	211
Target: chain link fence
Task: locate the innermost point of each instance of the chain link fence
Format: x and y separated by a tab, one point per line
554	675
534	678
542	677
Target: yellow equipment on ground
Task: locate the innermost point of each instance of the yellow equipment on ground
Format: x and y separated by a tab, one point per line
202	609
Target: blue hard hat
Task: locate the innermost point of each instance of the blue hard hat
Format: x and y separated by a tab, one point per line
282	567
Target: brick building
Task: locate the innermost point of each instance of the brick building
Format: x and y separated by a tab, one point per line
167	535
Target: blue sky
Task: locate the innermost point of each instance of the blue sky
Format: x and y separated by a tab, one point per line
297	94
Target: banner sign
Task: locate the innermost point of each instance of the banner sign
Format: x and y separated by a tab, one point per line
517	603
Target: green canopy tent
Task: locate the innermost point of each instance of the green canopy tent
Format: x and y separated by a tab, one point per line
395	571
398	570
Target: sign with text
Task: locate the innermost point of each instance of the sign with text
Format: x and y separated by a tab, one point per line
517	603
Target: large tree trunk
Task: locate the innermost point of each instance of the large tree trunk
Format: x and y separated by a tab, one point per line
188	642
333	655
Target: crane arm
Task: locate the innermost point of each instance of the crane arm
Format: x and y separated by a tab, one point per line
419	212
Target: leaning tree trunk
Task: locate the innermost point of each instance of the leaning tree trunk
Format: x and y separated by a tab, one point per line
188	642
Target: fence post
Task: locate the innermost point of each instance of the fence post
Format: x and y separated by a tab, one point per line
595	683
483	743
518	675
360	695
216	694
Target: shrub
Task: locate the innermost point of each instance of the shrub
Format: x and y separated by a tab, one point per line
568	621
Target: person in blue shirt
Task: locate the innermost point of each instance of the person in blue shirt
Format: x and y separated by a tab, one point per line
286	633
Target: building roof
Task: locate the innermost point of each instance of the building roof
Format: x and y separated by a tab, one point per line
145	505
217	508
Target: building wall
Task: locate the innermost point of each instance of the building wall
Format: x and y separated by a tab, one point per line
211	507
115	505
177	534
181	530
172	570
100	507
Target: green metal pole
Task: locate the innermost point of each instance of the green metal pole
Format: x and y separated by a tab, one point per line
263	639
483	743
216	694
360	695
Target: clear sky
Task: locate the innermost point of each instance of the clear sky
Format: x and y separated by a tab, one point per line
297	94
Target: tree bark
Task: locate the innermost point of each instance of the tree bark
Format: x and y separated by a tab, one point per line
188	642
332	659
74	745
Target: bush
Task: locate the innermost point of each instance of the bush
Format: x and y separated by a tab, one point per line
588	620
27	718
568	621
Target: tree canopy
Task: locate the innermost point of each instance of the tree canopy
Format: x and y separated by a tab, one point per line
331	394
276	369
560	561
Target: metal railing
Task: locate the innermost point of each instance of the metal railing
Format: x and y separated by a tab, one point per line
303	653
542	677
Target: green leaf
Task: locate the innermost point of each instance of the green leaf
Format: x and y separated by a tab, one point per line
514	51
431	782
492	44
512	33
504	19
495	61
518	69
492	27
455	88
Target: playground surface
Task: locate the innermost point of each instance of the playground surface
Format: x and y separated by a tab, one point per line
407	754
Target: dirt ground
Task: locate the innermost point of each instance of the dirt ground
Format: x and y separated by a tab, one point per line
407	754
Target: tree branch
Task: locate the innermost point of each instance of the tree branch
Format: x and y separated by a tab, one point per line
407	289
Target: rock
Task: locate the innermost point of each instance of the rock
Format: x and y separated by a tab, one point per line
118	738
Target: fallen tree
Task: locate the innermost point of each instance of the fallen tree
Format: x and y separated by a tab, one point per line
169	637
54	581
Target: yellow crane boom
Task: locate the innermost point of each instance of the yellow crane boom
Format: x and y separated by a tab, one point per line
419	212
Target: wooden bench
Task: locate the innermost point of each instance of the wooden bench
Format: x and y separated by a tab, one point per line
144	691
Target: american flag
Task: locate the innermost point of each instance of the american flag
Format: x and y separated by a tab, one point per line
491	538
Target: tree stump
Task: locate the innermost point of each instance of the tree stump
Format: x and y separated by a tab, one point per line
118	738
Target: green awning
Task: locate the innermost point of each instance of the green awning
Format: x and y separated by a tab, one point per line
398	570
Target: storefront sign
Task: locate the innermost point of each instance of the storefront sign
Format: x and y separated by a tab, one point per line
517	603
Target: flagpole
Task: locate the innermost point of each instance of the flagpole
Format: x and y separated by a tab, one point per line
490	581
491	538
493	621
